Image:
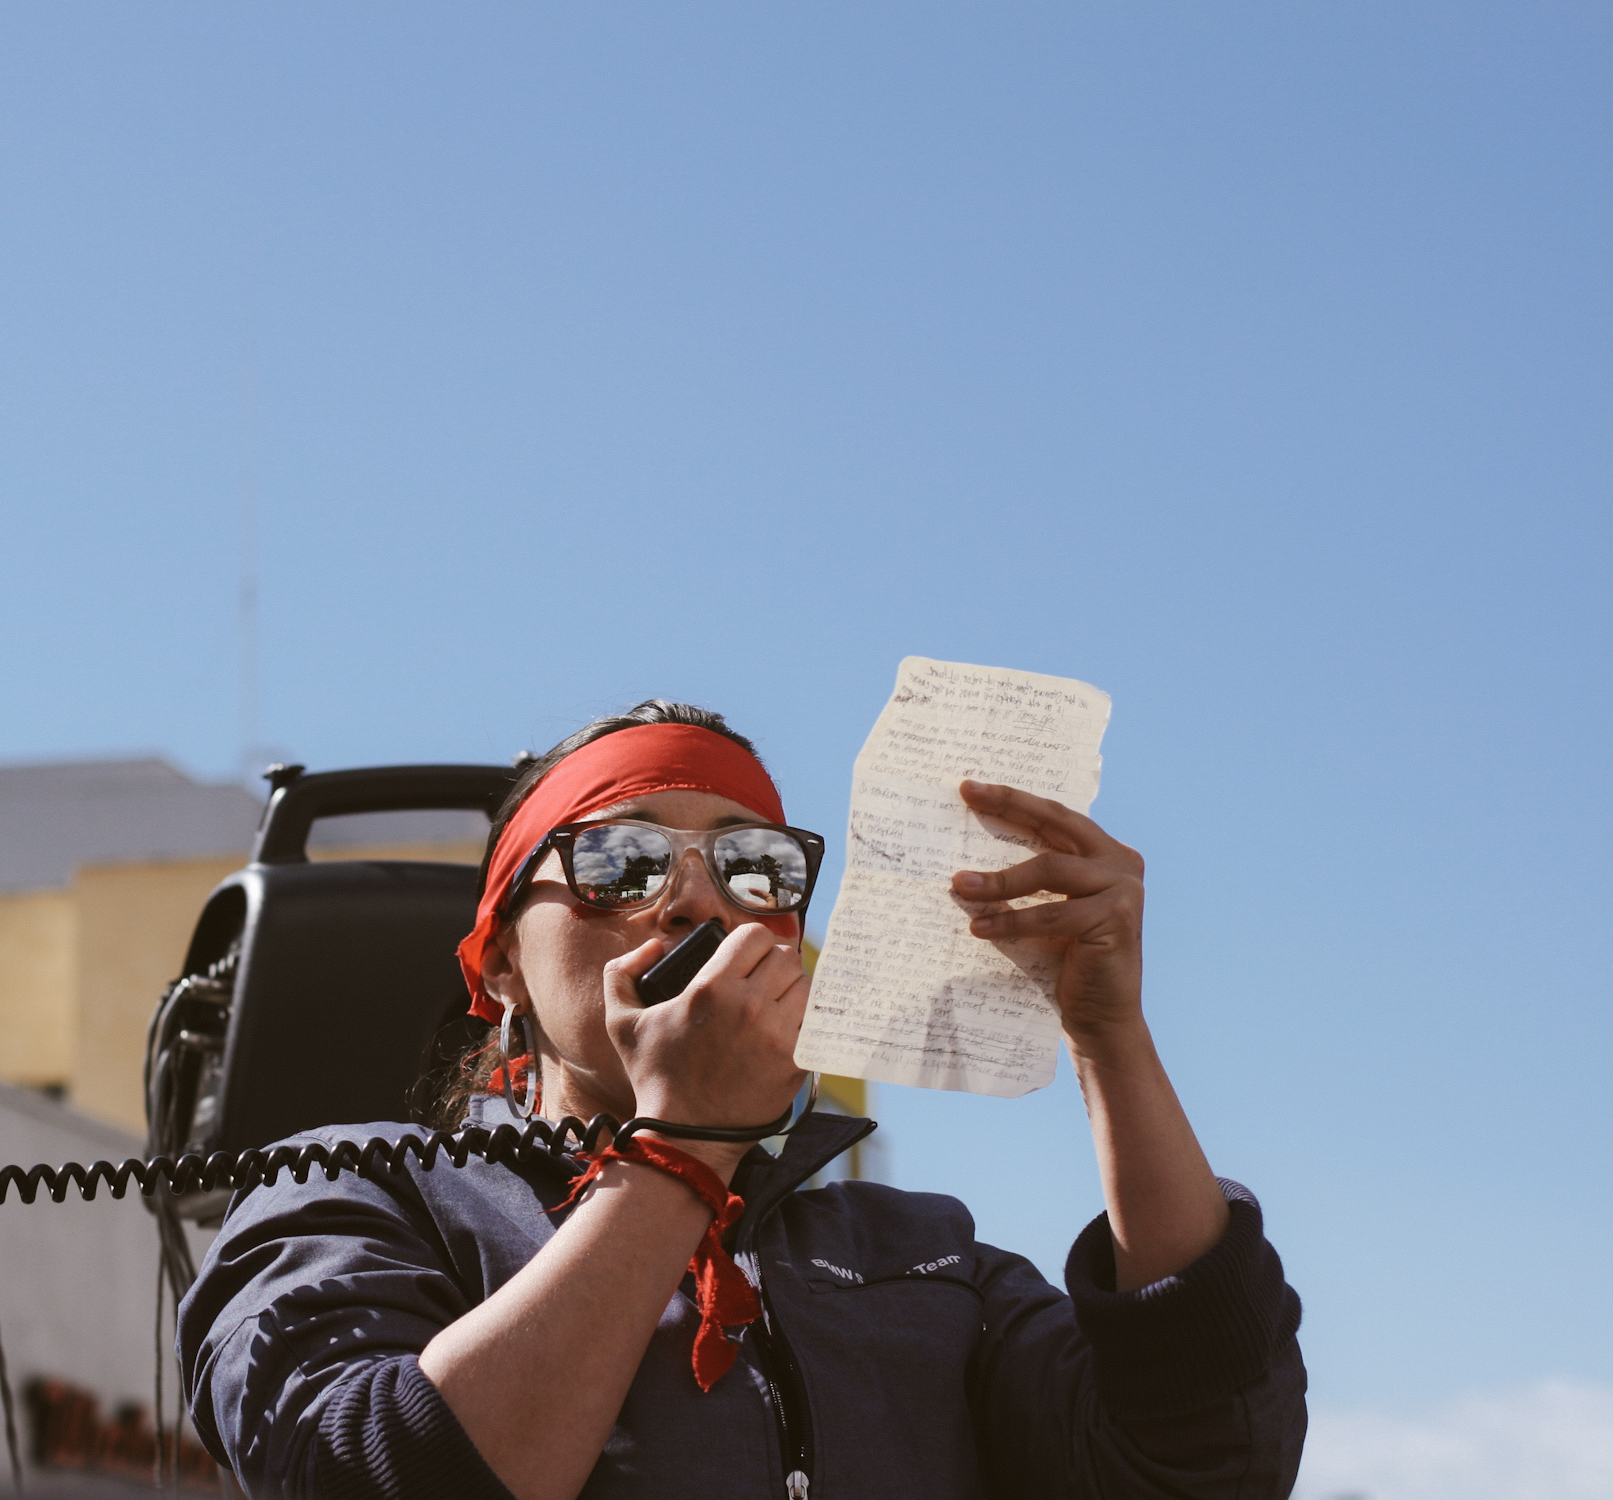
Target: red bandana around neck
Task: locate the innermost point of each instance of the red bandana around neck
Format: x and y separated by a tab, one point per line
629	763
723	1295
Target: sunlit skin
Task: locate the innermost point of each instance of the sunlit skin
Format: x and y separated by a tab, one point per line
571	968
579	1316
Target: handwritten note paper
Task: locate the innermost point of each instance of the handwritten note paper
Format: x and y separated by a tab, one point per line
903	993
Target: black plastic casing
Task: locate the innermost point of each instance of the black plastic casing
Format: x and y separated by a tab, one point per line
348	986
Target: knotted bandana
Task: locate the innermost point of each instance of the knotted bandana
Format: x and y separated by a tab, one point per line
723	1296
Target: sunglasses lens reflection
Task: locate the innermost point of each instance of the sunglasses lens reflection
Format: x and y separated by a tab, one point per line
762	869
617	864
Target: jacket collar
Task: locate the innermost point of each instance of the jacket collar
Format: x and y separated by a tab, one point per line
763	1180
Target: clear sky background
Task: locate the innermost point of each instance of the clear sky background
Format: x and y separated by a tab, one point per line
1248	361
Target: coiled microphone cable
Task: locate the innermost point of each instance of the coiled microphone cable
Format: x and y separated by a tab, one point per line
374	1158
193	1172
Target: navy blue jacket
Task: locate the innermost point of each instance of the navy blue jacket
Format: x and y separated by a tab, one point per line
905	1358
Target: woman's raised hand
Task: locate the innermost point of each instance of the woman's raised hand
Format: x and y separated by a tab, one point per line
1095	933
722	1052
1165	1208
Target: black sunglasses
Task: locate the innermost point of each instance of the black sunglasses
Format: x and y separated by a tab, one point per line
621	864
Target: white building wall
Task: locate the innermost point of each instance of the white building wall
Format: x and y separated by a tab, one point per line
78	1280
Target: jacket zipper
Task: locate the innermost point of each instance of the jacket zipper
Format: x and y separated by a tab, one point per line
789	1402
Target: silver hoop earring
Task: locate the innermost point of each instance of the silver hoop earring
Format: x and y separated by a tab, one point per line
532	1086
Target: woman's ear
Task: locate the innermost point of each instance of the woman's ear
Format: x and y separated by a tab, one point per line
501	970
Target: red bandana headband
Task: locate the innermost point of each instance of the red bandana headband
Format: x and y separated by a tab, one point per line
629	763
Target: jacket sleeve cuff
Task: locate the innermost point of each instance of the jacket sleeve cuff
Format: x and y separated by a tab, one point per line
1190	1338
390	1434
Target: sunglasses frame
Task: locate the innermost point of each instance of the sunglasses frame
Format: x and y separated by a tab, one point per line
562	839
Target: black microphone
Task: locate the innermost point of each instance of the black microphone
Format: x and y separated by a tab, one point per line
671	975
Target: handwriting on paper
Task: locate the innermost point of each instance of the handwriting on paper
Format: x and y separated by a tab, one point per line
902	992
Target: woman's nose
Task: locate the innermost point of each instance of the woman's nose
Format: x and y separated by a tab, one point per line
694	898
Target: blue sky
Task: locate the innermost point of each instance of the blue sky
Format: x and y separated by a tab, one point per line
1248	361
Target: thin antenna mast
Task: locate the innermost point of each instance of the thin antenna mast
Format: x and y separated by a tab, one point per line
247	601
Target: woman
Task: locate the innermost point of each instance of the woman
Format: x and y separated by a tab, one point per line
678	1319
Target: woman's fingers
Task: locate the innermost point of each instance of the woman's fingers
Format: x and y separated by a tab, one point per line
750	968
1100	875
1108	916
773	980
742	951
1096	928
1052	822
757	970
1047	919
623	972
1062	874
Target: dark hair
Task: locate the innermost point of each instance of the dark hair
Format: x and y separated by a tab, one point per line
472	1071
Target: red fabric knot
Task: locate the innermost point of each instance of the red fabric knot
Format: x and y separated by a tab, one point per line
723	1296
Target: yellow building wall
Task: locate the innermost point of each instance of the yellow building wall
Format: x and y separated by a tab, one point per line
134	924
37	989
